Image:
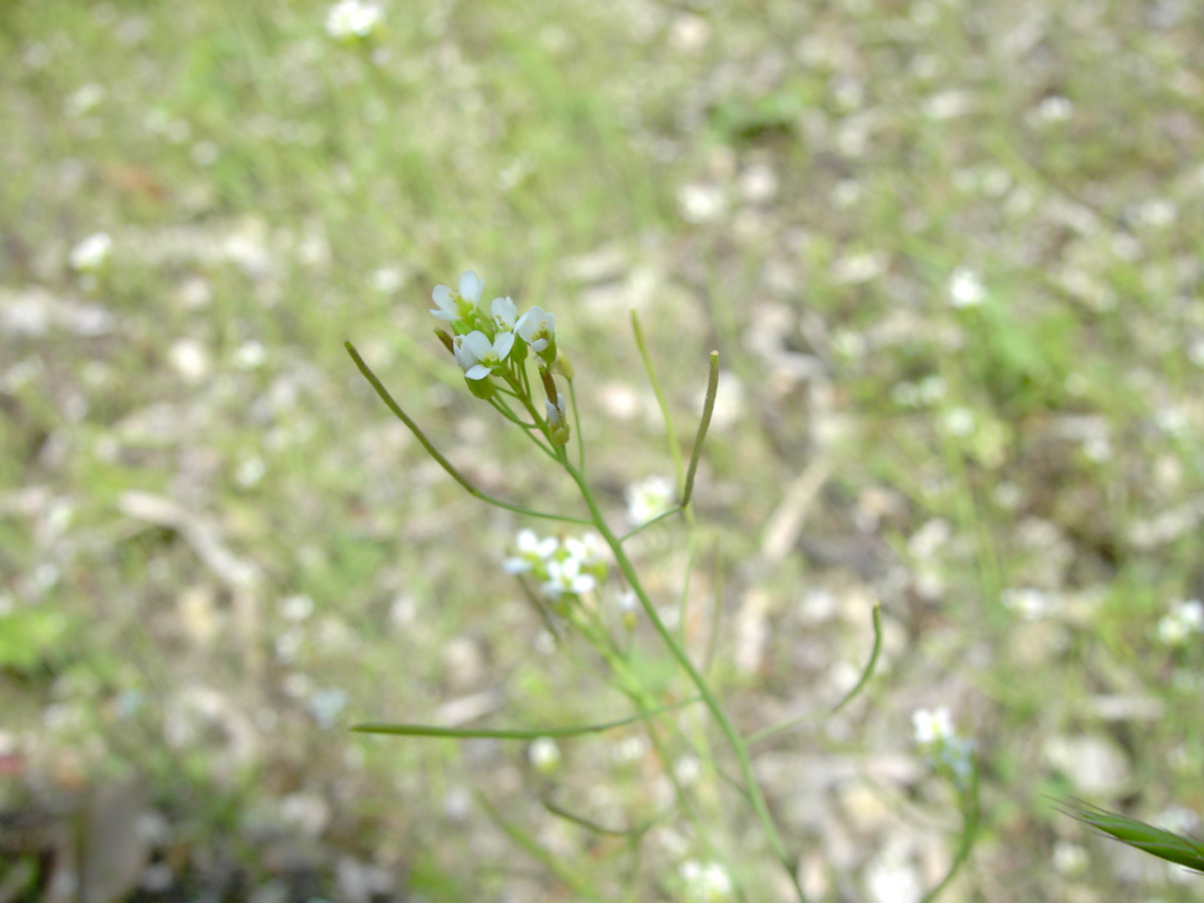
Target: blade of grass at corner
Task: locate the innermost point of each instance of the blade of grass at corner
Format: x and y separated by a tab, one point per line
1158	842
428	730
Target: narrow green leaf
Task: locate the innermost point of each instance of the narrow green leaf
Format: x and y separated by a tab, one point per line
1176	848
428	730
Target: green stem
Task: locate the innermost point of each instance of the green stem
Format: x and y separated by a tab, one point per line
752	787
447	466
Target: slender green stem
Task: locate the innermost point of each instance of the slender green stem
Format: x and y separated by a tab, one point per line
674	445
525	733
577	427
648	523
866	673
447	466
708	408
971	813
737	744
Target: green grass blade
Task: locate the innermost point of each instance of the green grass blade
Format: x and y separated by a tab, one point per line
1172	847
704	424
430	730
674	445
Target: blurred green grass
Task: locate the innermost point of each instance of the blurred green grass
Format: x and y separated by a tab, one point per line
794	184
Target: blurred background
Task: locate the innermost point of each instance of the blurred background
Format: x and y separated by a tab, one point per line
950	254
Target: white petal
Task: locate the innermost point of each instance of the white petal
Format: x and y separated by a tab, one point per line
502	345
480	371
471	285
477	344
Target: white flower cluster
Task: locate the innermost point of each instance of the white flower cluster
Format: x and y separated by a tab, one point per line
1185	621
939	741
706	882
567	568
648	498
495	340
351	19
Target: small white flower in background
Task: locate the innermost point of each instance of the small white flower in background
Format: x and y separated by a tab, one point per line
91	253
544	754
565	576
250	472
932	726
84	99
939	741
1030	603
532	552
1051	110
965	289
702	203
648	498
629	749
452	305
353	19
706	882
249	355
959	421
478	356
589	550
687	769
1185	621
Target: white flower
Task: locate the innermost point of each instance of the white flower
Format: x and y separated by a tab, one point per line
504	313
589	550
936	736
91	253
932	726
353	19
532	552
477	356
452	305
538	329
1186	619
706	882
648	498
565	577
965	289
544	754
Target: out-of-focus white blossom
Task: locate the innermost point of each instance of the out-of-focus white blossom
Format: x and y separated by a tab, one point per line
532	552
566	576
705	882
1185	620
648	498
544	754
938	739
350	19
92	253
965	289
